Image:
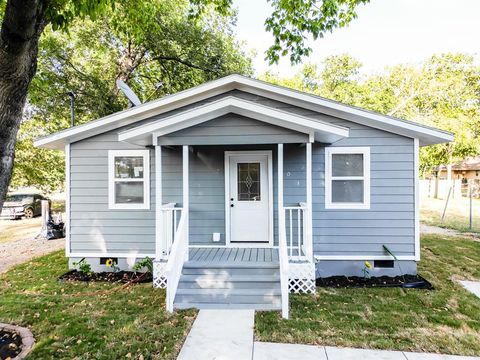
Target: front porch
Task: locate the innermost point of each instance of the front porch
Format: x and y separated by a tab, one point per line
225	255
234	178
287	255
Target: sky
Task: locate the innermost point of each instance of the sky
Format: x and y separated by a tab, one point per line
386	33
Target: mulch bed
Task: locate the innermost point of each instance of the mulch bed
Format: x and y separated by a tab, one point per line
10	344
407	281
121	277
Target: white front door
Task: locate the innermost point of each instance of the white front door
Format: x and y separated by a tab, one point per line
249	197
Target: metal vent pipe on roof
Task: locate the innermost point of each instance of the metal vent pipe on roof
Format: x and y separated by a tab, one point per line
72	106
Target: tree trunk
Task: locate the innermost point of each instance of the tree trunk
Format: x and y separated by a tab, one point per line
22	26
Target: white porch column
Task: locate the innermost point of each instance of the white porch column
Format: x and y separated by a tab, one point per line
309	237
281	212
158	204
186	185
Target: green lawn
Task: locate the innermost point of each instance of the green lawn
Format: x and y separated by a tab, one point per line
89	321
446	320
456	216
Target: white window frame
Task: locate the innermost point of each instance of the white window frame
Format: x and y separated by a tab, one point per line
145	154
329	151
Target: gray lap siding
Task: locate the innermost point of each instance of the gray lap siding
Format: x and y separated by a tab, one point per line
389	221
94	228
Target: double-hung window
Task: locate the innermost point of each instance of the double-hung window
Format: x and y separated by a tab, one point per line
347	178
128	179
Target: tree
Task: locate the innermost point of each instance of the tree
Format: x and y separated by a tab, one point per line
24	22
443	92
159	58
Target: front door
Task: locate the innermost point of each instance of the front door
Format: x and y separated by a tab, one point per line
249	197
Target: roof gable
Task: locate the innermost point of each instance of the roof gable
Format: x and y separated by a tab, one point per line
426	135
319	130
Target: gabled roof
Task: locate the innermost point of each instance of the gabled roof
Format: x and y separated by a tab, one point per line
426	135
319	130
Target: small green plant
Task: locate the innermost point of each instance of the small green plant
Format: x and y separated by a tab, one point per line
112	264
145	263
83	266
366	267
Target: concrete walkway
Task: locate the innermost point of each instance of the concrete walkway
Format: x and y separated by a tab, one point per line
220	334
472	286
228	335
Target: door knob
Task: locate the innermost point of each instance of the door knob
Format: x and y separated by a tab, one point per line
231	205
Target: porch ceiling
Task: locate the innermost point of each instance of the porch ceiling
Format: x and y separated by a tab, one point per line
316	130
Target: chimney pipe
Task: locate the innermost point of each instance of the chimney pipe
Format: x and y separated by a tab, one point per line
72	106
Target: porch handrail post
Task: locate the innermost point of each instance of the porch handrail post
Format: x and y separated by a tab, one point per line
282	241
159	250
186	186
309	210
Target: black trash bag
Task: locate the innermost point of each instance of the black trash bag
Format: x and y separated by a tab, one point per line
55	230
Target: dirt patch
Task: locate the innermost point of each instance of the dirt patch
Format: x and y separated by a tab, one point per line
407	281
121	277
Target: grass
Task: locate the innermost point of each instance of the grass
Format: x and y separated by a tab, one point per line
456	216
446	320
89	321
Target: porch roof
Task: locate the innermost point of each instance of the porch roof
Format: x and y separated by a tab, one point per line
316	130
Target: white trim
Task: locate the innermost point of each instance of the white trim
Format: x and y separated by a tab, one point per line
113	254
227	155
231	104
309	223
146	179
365	151
362	257
186	193
280	175
426	135
158	203
67	200
416	163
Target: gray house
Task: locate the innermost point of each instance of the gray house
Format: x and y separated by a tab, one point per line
242	191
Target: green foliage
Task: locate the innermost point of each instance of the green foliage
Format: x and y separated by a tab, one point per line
83	266
144	263
443	92
293	21
152	45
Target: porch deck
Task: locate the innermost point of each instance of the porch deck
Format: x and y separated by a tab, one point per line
237	256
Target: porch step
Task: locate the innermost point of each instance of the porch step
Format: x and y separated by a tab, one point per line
207	285
245	269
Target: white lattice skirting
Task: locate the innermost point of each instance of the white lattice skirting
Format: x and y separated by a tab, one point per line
159	276
301	277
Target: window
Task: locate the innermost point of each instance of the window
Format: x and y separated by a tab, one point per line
129	184
248	181
347	178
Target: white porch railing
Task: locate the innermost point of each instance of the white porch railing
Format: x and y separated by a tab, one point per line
284	275
297	232
170	218
177	256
